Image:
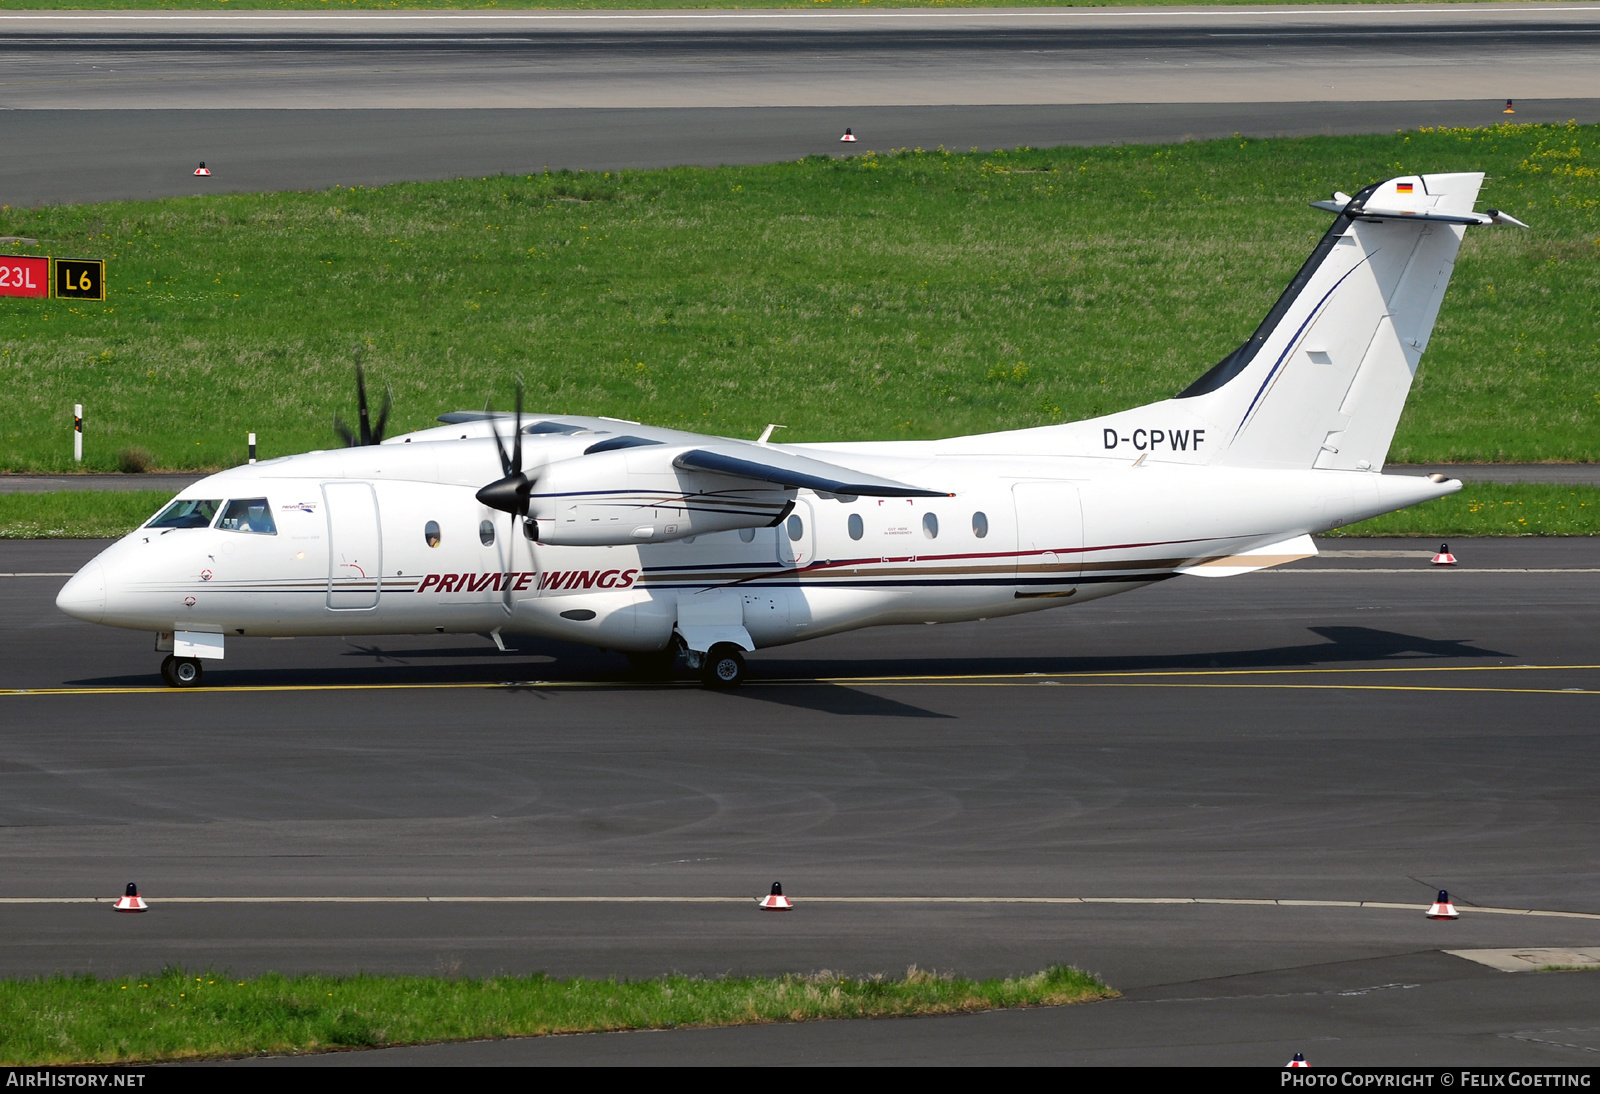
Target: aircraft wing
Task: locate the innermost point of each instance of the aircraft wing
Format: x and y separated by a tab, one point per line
789	469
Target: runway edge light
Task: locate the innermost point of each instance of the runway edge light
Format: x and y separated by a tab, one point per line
202	169
775	901
1444	557
1298	1061
849	137
131	901
1442	908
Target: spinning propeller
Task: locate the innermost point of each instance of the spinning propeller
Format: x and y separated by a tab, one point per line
509	494
368	434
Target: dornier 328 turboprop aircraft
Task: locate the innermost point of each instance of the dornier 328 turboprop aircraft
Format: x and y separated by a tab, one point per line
657	542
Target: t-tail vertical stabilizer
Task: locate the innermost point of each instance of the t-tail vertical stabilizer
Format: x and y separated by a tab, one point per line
1322	381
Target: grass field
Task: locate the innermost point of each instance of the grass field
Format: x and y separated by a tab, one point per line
176	1015
1494	509
77	514
894	294
1479	510
603	5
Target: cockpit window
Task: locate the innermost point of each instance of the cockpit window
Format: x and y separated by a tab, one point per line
248	515
186	513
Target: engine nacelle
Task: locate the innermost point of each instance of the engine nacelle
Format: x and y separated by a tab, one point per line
637	496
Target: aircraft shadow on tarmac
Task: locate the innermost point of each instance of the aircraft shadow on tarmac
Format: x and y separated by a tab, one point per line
1344	646
815	682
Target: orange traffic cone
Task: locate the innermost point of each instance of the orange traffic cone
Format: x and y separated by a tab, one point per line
131	900
1442	908
1298	1061
1509	108
202	169
1444	557
849	137
775	901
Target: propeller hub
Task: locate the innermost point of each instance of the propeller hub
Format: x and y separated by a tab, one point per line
509	495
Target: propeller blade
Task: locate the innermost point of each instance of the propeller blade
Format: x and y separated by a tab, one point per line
511	565
383	415
361	406
499	445
344	432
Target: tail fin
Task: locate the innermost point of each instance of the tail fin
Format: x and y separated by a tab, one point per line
1322	381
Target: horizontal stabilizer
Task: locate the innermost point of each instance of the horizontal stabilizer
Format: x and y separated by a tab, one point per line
1489	216
1257	558
788	469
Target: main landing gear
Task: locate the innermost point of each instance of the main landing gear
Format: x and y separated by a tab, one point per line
723	666
181	672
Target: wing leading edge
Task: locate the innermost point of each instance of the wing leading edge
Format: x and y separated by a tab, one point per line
788	469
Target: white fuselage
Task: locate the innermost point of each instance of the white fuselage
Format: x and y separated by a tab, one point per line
391	539
642	537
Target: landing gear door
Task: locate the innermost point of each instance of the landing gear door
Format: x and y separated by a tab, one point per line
797	538
1049	539
355	545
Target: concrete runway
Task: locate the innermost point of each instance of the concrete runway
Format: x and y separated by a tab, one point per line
1359	727
104	106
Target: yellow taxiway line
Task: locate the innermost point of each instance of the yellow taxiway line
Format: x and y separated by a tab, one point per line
1378	905
1146	678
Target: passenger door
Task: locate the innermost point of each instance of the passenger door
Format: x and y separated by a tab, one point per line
355	545
1049	538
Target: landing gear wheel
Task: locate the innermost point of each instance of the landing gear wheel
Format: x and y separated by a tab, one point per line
180	672
723	666
653	664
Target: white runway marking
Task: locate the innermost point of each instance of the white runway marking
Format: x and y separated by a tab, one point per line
1135	900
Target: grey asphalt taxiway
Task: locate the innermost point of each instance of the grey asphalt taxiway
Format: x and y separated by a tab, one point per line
112	105
1232	798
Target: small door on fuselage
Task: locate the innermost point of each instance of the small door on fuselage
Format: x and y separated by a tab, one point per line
1049	538
797	537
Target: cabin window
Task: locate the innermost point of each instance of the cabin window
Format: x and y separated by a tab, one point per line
248	515
980	525
186	513
930	526
486	533
857	529
747	534
430	532
797	528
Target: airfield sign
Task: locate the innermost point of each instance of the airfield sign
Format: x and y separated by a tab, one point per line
24	275
80	279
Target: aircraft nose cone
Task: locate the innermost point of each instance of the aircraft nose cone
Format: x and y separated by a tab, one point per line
84	597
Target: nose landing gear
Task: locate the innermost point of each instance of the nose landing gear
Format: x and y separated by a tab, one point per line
180	672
